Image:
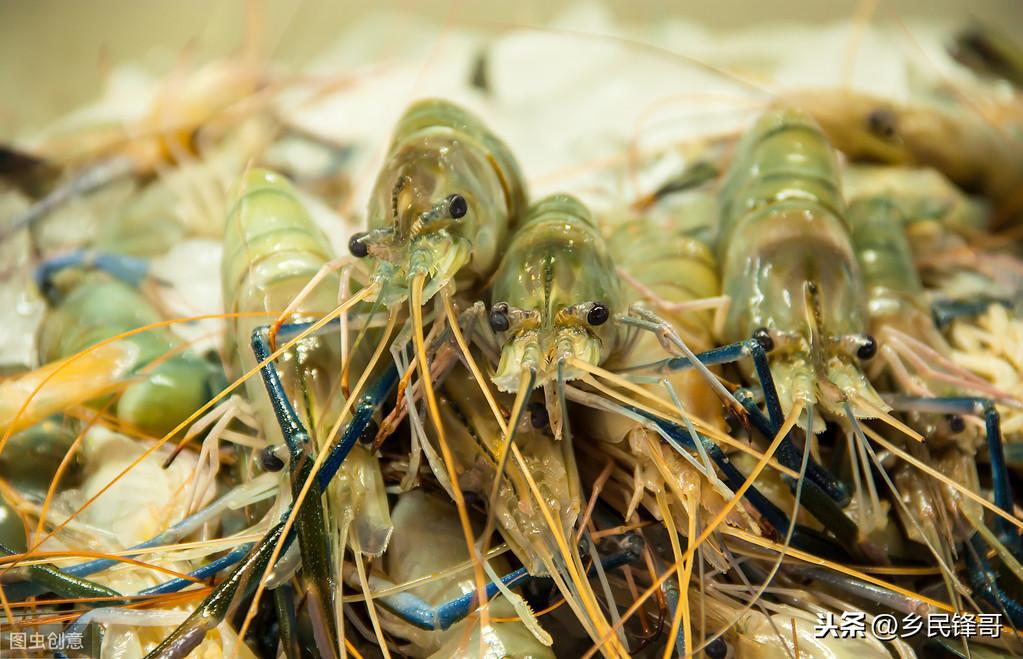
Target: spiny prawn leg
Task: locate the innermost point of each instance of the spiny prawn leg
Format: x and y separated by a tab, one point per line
310	522
128	269
215	607
218	604
815	500
756	349
420	613
984	581
295	434
985	409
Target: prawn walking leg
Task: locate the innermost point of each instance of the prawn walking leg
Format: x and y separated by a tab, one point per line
215	607
756	349
985	409
128	269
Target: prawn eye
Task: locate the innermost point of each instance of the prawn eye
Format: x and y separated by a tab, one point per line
499	317
598	314
369	433
881	122
270	460
716	649
357	246
538	416
457	206
763	336
868	348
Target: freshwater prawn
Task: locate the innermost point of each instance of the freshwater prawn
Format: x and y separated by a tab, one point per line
442	203
918	360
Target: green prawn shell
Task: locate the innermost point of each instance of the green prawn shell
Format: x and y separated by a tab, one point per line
556	264
272	250
440	149
788	262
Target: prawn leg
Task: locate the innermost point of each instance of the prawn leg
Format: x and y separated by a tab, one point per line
691	177
218	604
983	578
291	329
90	180
681	440
128	269
295	434
819	504
67	585
204	572
647	320
215	607
984	581
171	586
420	613
984	408
670	590
21	591
823	493
311	524
756	350
284	601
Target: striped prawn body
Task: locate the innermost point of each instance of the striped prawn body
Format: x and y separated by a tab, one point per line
443	204
788	263
272	249
557	278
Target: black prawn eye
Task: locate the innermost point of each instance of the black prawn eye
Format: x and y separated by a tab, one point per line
598	314
499	317
357	247
716	649
269	459
881	122
369	433
457	206
868	348
538	416
762	335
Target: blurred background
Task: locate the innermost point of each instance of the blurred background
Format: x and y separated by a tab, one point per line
54	53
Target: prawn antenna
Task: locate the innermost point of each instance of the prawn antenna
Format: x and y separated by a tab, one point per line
399	185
